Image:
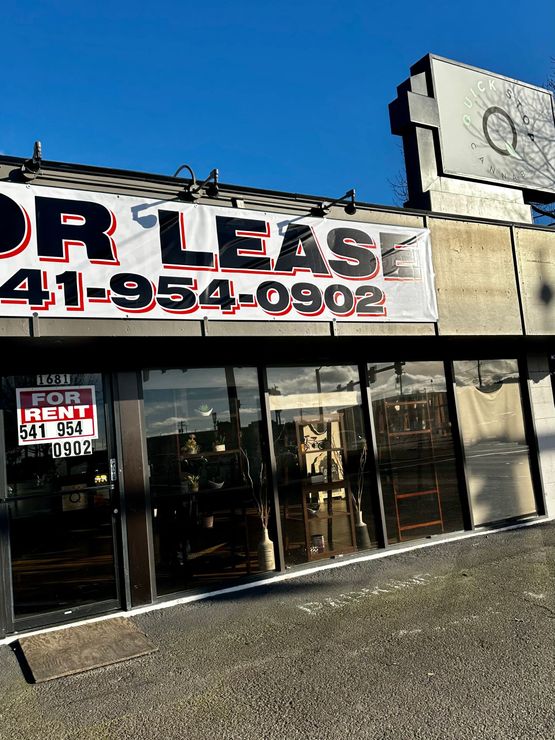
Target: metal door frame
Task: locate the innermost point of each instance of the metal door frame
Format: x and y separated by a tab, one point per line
9	623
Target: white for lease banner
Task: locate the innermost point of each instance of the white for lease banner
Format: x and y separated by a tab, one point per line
68	253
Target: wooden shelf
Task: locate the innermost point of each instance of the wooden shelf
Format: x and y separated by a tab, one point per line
413	432
430	492
323	486
212	453
406	403
421	416
320	450
331	459
324	515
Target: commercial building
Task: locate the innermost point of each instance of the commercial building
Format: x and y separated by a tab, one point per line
204	385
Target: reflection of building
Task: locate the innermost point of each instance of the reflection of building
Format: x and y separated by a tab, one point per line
356	431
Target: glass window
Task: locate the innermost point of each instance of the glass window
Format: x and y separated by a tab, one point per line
320	450
415	449
59	508
210	502
497	464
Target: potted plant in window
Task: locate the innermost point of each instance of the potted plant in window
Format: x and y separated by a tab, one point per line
204	410
219	442
191	446
192	482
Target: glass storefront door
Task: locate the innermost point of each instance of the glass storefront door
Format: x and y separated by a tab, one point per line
209	498
320	449
416	457
58	498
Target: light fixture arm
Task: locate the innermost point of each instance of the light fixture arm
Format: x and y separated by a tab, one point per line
191	191
189	170
214	174
31	167
322	209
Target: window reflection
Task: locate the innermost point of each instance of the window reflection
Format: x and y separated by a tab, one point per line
415	449
497	462
207	478
320	450
60	513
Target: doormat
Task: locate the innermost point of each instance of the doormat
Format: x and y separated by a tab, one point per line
77	649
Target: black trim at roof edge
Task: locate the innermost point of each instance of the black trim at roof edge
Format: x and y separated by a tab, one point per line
310	200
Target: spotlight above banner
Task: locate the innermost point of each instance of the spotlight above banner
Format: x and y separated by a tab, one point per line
192	190
322	209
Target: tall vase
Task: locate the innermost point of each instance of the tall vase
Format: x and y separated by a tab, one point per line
361	532
266	558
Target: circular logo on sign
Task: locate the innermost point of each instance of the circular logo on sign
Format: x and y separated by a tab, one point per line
502	146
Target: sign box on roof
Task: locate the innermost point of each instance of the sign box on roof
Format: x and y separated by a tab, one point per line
493	128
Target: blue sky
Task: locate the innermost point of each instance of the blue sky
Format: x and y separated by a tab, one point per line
283	95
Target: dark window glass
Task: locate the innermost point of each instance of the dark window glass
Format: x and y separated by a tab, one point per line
60	513
415	449
208	485
497	463
320	448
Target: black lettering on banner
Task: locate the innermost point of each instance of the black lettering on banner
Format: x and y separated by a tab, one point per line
218	294
64	223
15	227
242	244
132	293
307	299
72	283
273	297
370	301
339	300
173	244
175	294
400	257
300	251
355	246
26	287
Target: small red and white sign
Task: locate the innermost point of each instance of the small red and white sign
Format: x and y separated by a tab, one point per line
50	414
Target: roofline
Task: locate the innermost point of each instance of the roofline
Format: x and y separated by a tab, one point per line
108	173
111	172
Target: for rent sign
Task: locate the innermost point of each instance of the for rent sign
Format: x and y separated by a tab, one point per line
50	414
81	254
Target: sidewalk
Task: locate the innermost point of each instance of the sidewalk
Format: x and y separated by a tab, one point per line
454	641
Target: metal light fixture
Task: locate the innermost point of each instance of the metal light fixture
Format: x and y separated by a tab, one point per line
210	185
191	191
31	167
322	209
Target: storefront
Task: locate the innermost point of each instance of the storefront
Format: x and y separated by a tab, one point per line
206	386
340	447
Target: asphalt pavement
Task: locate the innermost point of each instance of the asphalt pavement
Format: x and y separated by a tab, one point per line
453	641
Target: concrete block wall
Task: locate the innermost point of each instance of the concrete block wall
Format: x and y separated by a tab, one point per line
543	410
